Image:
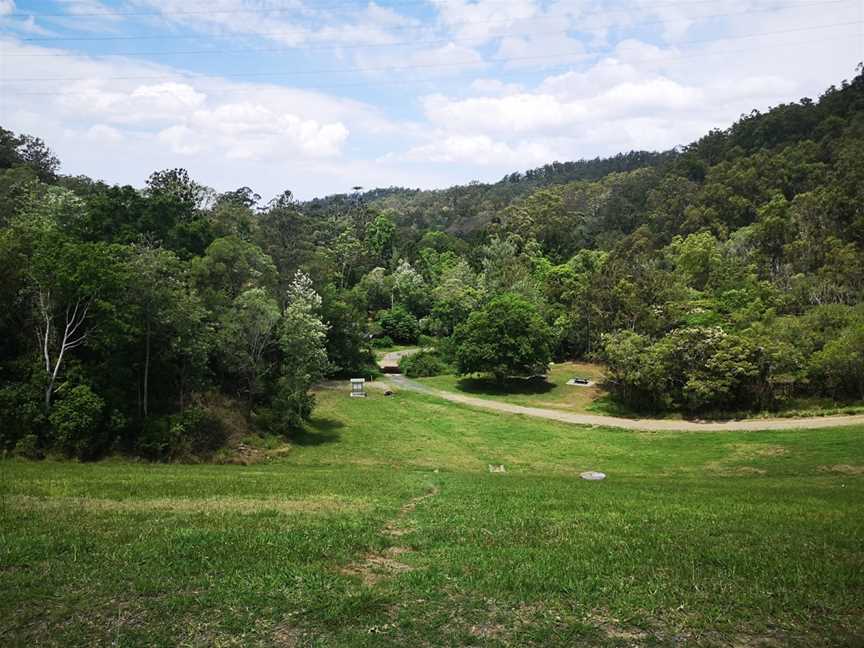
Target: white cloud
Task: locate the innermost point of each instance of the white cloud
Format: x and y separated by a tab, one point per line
181	139
103	134
121	119
6	7
207	120
518	113
494	87
482	150
484	19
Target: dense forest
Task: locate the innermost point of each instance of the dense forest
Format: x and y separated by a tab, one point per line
722	276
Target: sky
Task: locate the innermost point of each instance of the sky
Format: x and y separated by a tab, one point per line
321	96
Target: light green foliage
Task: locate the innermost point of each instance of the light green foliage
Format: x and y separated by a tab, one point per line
698	257
695	369
376	289
247	333
168	320
302	339
506	268
380	238
839	365
410	289
456	295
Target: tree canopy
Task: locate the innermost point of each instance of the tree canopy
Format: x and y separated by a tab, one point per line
725	275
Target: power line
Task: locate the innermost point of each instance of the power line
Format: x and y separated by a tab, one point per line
444	41
401	82
402	28
293	9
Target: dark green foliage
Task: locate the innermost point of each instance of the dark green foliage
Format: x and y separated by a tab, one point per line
22	412
695	369
383	342
194	432
78	423
507	337
424	364
400	325
839	366
292	405
347	345
726	275
27	447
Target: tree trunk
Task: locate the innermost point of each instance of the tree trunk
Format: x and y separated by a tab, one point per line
146	366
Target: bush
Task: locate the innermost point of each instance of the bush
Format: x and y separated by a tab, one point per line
77	423
193	432
27	447
399	324
426	341
292	404
22	413
424	364
198	431
382	342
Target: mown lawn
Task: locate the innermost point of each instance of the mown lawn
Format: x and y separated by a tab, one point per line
551	391
383	527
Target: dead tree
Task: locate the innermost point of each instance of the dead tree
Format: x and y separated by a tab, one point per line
55	343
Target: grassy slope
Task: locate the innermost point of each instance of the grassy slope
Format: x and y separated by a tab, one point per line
703	538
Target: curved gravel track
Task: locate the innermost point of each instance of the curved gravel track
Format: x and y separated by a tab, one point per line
648	425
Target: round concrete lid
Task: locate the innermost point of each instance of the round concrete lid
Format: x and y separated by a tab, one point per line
593	475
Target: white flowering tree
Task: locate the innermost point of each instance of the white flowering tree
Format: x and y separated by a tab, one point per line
303	342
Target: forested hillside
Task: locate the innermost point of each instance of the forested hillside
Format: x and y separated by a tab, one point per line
726	275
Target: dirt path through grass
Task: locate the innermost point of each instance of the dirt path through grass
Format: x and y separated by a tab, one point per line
374	567
648	425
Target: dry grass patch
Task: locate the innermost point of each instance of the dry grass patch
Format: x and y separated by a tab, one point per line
742	453
844	469
190	505
374	567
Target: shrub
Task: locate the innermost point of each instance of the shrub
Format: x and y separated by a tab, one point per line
399	324
424	364
292	404
77	423
193	432
382	342
27	447
197	431
426	341
21	413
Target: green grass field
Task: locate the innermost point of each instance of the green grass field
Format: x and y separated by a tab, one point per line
383	527
552	392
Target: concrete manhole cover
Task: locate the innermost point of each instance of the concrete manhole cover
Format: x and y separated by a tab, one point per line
593	475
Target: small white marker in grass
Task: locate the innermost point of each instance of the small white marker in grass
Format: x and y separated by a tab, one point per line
593	475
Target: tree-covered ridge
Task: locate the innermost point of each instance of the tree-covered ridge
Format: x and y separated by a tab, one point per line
727	275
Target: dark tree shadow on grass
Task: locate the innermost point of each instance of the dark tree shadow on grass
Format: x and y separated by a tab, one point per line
318	431
513	385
